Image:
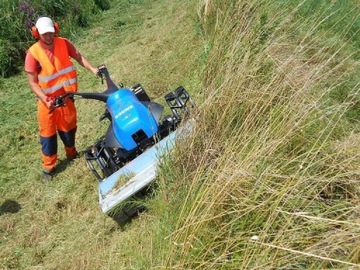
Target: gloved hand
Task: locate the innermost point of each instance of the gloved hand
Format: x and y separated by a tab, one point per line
50	101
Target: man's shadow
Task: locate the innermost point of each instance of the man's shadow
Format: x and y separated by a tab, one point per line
64	163
9	206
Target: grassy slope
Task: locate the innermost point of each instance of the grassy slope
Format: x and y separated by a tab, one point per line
275	185
277	149
60	225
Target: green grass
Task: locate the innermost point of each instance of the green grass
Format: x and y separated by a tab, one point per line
270	179
60	224
280	150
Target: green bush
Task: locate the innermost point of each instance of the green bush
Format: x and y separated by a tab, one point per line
4	58
102	5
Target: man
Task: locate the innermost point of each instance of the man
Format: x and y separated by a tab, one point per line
50	74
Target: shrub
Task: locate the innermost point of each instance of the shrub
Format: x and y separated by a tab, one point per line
4	58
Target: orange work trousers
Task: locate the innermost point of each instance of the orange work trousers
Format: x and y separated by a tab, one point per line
61	120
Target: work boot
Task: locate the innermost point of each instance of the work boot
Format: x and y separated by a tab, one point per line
77	155
48	175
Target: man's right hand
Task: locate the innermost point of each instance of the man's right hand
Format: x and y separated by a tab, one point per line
49	101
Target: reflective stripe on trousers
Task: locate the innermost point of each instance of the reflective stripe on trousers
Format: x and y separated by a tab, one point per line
61	120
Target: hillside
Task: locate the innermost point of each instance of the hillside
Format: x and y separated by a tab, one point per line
271	179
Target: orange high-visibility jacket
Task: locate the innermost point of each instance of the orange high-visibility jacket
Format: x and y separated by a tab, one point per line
57	75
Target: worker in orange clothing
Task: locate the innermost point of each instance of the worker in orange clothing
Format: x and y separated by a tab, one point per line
51	73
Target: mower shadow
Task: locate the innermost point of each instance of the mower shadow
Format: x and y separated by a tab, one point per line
126	215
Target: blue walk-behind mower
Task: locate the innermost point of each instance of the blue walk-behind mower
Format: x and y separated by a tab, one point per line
126	159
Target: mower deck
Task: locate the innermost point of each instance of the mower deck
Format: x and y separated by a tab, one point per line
141	171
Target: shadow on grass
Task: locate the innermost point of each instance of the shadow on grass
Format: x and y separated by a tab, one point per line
63	164
9	206
132	211
128	215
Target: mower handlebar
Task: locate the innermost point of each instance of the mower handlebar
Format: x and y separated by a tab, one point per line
60	101
102	72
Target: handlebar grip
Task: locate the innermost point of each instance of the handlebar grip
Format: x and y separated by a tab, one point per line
102	71
59	101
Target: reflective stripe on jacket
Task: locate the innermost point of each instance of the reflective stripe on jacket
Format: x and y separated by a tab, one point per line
57	75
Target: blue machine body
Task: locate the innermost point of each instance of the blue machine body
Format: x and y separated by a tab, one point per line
126	159
130	118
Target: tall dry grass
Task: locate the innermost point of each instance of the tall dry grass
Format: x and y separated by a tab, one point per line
274	165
